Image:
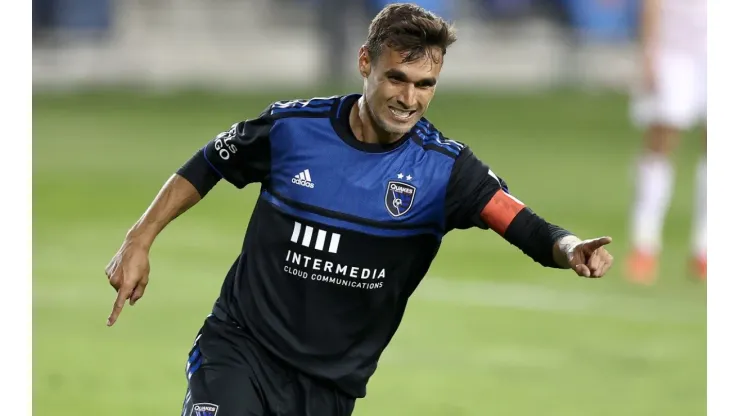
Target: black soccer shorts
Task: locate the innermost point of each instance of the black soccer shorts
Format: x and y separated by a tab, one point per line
230	375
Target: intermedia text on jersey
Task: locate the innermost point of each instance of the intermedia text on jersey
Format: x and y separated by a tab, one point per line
305	267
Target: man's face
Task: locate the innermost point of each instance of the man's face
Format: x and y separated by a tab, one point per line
398	94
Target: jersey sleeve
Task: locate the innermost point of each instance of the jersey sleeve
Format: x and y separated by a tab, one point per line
476	197
471	186
240	155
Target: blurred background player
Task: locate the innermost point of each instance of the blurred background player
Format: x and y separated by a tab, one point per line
671	100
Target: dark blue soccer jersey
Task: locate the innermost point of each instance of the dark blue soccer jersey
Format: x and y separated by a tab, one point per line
342	233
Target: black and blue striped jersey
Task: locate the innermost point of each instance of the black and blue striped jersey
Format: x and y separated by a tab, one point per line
343	231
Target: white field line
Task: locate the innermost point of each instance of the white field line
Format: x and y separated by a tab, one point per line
455	292
531	297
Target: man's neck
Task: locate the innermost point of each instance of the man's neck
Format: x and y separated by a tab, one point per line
364	127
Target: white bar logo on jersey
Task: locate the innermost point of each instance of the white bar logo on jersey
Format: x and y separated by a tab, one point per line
303	179
320	242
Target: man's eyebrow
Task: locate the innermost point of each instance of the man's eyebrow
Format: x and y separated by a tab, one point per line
401	76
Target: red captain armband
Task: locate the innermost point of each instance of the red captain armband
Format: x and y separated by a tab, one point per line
500	211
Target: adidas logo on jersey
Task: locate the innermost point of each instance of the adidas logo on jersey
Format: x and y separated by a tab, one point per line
303	179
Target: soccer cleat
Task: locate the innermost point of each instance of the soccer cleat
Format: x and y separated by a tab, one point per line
699	267
641	267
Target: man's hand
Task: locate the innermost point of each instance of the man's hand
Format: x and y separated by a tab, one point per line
587	258
128	273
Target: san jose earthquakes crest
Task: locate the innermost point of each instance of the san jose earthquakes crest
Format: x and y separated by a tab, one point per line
399	197
204	409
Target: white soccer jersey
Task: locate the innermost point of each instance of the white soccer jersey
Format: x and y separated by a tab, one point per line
679	96
683	25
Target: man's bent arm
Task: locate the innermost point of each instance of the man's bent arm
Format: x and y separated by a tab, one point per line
240	155
176	196
181	191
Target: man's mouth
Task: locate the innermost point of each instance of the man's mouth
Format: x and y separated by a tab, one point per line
401	115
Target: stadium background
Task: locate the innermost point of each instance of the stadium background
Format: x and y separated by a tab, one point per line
126	91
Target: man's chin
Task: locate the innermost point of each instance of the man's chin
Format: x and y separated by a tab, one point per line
394	127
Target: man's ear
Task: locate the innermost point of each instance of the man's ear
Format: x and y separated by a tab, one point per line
364	64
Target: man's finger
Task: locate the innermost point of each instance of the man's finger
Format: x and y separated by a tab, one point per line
111	270
600	271
123	294
115	281
606	265
598	242
582	270
137	294
595	261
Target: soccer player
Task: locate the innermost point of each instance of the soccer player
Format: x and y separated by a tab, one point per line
357	192
673	99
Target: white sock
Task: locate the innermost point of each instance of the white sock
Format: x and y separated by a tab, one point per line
699	237
654	188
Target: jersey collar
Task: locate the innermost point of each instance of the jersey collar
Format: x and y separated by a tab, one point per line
340	121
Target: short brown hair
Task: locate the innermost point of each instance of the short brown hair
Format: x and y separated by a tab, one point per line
409	29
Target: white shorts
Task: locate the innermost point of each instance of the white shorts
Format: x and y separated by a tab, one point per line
680	96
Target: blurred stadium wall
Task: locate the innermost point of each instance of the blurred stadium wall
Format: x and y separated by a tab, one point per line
263	44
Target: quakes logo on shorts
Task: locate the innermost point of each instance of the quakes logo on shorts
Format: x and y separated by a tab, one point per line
204	409
398	198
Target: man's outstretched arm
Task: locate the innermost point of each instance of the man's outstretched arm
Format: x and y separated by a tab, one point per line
546	243
476	197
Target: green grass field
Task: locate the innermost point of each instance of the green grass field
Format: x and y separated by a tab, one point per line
488	333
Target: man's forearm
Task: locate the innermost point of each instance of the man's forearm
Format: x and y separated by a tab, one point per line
176	196
534	236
